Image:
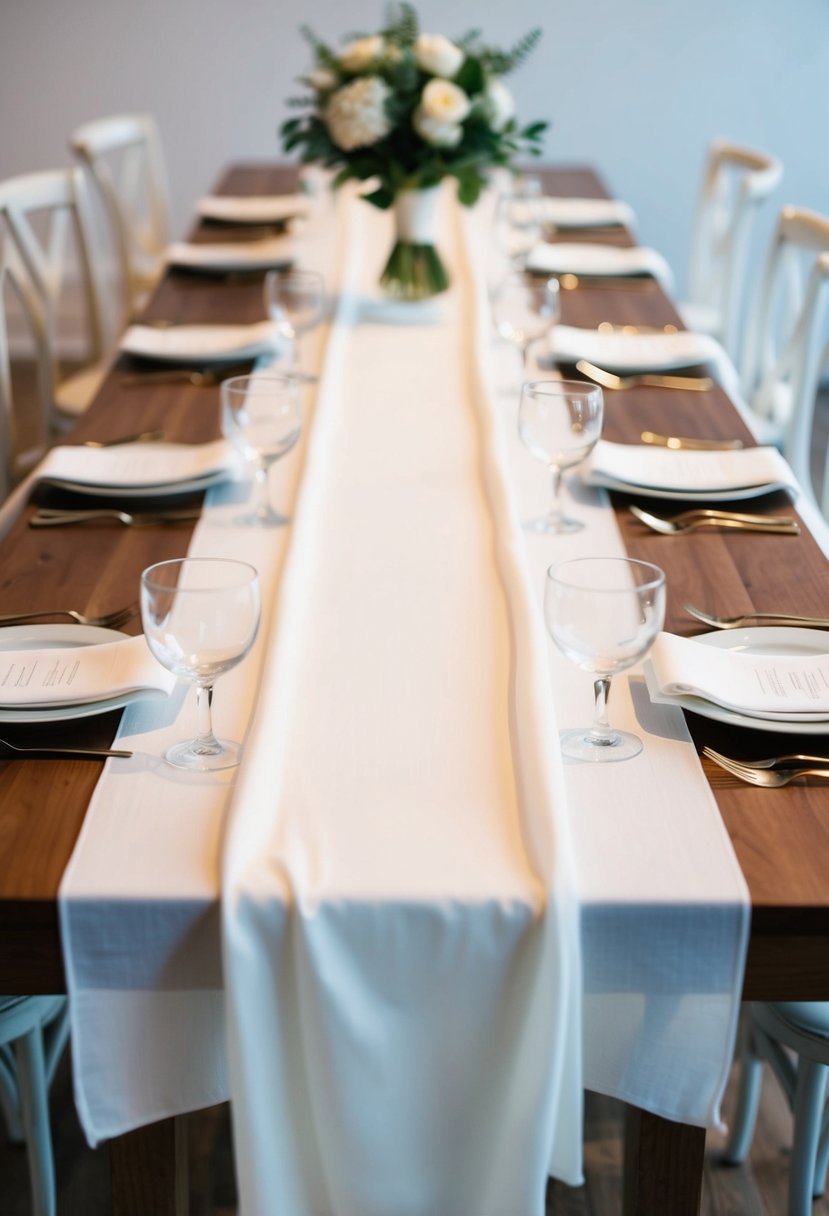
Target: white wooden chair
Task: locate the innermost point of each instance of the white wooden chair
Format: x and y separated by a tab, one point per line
735	182
770	1032
46	217
19	297
786	343
125	163
33	1033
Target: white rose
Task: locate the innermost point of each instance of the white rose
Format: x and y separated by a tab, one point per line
438	55
499	104
361	53
356	113
322	79
432	131
444	102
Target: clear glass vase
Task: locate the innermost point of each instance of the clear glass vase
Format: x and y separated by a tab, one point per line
414	270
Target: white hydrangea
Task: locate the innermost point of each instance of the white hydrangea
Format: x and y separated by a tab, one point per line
499	104
438	55
356	115
361	53
437	134
444	102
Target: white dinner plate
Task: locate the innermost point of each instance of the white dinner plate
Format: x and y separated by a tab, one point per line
168	489
705	496
41	637
760	640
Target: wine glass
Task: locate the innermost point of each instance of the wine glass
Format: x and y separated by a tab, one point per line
524	310
519	218
559	422
604	614
261	417
200	618
295	300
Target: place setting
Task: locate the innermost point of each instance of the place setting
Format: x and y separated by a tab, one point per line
624	357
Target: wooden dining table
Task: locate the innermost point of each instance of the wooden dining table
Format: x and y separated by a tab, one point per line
780	837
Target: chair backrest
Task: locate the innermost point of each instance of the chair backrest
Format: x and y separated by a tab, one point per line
124	159
736	180
787	347
45	222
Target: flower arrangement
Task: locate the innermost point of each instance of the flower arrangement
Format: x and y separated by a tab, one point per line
404	110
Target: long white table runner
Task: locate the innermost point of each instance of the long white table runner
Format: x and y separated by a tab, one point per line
400	939
400	737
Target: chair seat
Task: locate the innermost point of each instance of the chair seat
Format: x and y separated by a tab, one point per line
73	395
805	1017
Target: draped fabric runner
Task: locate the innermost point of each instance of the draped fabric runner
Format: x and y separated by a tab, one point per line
402	965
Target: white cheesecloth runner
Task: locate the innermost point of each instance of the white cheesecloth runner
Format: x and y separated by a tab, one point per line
399	930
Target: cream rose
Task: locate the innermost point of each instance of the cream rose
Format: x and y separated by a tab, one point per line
356	113
432	131
322	79
444	102
361	53
438	55
499	104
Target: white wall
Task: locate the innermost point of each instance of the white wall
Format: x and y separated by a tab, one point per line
635	88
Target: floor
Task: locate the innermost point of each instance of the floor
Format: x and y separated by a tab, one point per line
756	1189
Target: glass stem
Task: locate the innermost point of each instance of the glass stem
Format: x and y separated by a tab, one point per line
555	510
601	732
262	502
205	742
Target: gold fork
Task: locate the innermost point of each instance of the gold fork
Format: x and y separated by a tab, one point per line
678	442
708	517
107	620
737	622
696	384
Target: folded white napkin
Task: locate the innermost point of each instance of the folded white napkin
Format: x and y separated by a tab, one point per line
587	212
79	675
177	343
150	465
253	209
685	472
599	261
631	351
785	687
271	251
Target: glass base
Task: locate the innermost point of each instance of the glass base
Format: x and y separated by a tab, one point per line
554	525
186	755
578	745
263	519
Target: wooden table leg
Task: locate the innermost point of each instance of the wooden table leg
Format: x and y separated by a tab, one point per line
663	1166
149	1170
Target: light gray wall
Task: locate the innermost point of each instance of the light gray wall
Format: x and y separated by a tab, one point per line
637	89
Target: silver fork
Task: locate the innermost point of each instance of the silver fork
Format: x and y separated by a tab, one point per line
708	517
107	620
51	518
764	777
792	760
736	622
58	753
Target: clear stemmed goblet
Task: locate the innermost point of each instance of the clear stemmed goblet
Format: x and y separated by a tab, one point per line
559	422
261	416
519	217
295	300
524	310
200	618
604	614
